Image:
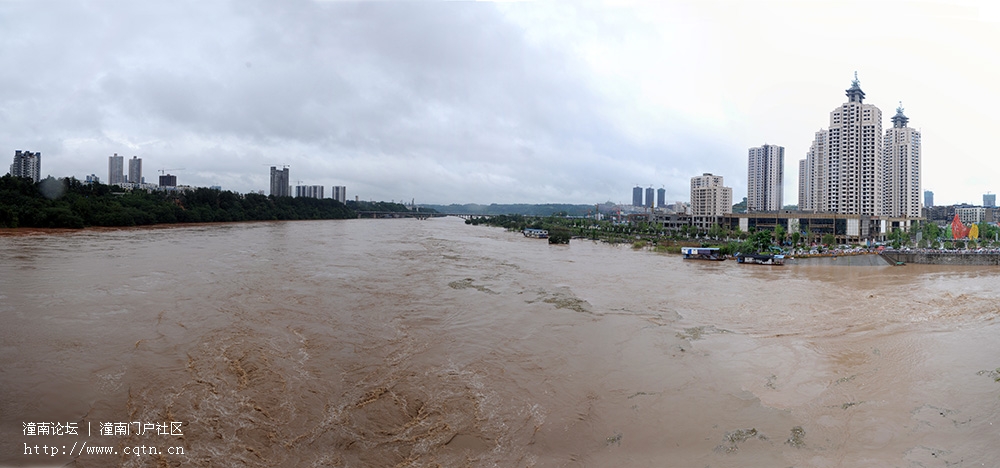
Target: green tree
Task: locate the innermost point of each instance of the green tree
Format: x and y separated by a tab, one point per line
715	231
829	239
759	241
931	231
779	234
896	237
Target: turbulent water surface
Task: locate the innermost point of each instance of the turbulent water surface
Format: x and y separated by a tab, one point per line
426	343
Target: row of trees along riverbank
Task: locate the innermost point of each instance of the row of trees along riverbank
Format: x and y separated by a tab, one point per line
639	235
68	203
642	235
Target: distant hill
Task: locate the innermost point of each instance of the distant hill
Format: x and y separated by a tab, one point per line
521	209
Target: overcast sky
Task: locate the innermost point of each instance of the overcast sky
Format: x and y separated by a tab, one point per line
457	102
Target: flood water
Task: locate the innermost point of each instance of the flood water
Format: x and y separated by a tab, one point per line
394	343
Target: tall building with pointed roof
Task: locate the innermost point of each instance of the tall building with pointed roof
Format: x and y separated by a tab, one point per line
901	169
854	146
845	161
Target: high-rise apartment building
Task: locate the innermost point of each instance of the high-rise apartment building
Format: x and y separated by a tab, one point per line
339	193
901	169
989	200
661	197
116	170
854	182
765	178
309	191
928	198
27	164
844	164
971	214
168	180
803	183
637	196
649	197
135	170
279	182
812	196
709	197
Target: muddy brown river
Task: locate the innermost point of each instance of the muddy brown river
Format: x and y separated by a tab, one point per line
396	343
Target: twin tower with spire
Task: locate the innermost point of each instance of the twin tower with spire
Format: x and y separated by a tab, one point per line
853	167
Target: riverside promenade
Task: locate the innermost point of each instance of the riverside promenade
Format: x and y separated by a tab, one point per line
863	259
980	257
943	257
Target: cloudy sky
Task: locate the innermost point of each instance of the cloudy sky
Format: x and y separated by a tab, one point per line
463	102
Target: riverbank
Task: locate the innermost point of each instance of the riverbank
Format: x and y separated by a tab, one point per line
990	258
842	260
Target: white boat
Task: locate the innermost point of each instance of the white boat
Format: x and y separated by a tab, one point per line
536	233
702	253
760	259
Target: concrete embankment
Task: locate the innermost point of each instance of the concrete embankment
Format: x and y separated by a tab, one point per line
843	260
943	258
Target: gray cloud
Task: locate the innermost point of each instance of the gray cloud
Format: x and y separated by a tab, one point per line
443	101
438	101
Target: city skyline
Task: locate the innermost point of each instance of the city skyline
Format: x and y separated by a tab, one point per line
488	102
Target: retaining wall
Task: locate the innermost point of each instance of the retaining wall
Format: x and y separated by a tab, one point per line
843	260
943	258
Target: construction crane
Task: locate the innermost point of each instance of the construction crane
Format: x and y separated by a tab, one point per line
164	171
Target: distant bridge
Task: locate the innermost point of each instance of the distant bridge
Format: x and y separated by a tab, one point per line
414	214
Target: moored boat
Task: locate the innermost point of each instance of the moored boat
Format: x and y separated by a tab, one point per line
760	259
702	253
536	233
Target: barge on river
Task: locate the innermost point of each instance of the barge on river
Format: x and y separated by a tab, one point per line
760	259
536	233
702	253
